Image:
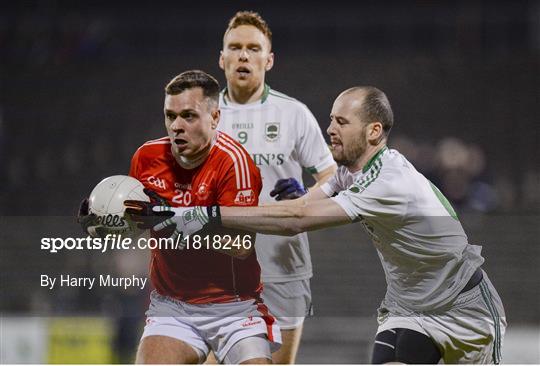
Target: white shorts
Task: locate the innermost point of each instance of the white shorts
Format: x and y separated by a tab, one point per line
470	331
289	302
216	327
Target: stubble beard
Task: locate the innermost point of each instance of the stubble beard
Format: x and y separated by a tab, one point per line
353	151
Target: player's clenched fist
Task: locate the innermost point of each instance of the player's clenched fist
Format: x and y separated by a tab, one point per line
288	189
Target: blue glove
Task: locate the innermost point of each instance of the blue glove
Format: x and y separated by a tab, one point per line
288	189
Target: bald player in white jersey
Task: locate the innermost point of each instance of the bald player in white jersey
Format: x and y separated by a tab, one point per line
283	138
439	304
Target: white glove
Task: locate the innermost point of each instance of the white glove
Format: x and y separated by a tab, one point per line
186	220
170	222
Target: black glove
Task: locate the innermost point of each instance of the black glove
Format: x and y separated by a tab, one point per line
85	218
90	222
142	214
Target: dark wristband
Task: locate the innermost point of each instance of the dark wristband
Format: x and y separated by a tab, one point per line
214	215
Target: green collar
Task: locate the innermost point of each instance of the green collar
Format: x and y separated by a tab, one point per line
375	157
266	92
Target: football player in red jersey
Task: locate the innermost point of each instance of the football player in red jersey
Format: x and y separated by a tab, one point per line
206	294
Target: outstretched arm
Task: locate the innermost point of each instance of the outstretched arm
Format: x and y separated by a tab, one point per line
322	176
276	219
313	195
285	219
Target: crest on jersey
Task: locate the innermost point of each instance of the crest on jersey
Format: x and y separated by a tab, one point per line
188	216
203	192
356	188
271	131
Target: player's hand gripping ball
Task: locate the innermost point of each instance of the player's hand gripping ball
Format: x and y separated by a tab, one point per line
288	189
165	221
104	211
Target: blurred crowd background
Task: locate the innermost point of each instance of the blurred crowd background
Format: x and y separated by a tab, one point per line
81	87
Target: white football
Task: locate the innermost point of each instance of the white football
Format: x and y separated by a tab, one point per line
107	202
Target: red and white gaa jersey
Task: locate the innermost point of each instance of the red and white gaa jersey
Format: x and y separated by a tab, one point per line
228	177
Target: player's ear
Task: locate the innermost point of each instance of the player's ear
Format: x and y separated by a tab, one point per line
269	62
221	63
216	113
375	132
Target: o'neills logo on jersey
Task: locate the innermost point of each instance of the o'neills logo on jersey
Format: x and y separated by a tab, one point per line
245	197
158	182
250	322
271	131
183	186
242	126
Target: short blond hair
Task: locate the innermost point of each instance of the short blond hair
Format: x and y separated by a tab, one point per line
249	18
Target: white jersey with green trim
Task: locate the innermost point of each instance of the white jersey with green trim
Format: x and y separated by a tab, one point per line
421	244
282	136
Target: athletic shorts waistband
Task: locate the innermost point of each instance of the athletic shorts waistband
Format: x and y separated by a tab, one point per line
475	279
